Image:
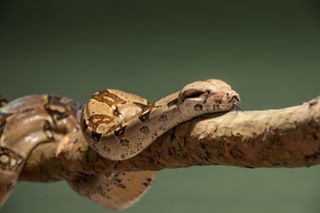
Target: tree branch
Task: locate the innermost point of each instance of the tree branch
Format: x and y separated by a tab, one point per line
288	137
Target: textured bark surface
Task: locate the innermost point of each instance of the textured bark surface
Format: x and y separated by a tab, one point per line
288	137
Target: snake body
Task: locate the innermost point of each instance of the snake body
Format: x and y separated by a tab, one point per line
117	125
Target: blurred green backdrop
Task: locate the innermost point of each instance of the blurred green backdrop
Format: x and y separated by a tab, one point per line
268	50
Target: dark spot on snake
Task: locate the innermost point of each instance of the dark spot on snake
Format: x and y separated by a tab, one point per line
11	157
147	183
96	136
47	126
27	110
145	130
198	107
124	142
163	118
190	93
218	101
116	111
313	102
144	116
84	125
54	100
55	114
69	105
172	102
107	97
120	132
216	107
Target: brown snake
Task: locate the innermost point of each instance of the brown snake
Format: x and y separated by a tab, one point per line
116	124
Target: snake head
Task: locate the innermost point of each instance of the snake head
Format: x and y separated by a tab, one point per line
207	96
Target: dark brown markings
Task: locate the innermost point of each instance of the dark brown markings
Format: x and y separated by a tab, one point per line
97	119
163	118
55	114
84	125
145	114
96	136
145	130
3	101
234	98
27	110
54	100
190	93
198	107
47	126
9	160
218	101
147	182
106	149
124	142
216	107
313	102
172	102
120	132
70	106
117	181
109	98
116	112
3	121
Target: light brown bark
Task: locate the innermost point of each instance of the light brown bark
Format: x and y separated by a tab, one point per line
288	137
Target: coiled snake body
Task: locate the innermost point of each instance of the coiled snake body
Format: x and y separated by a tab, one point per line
116	124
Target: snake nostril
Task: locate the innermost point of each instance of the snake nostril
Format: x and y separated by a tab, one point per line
234	97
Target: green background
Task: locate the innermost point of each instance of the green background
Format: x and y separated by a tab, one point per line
268	50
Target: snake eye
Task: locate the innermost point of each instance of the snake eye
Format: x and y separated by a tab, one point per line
190	93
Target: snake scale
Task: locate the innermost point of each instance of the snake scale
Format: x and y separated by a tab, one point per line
117	125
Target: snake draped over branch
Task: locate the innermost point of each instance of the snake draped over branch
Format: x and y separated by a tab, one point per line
116	124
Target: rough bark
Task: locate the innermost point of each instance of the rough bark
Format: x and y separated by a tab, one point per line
288	137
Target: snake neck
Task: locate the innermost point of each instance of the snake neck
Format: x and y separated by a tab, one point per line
163	115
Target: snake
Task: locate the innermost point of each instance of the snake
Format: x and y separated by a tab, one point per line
117	125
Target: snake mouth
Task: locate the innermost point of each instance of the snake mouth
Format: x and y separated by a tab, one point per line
236	107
